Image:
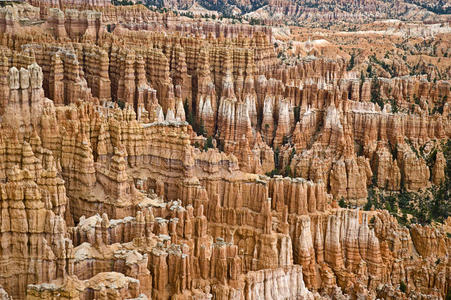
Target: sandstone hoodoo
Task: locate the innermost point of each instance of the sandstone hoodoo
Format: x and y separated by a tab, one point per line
227	150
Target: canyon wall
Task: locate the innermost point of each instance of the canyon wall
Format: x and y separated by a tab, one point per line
142	164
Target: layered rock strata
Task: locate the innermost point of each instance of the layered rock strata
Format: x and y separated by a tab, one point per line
132	162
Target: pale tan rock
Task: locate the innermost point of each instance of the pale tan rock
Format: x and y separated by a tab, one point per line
438	171
125	183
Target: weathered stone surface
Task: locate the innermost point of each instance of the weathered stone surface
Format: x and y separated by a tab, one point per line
133	148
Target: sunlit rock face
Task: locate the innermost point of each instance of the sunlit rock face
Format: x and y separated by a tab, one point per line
187	161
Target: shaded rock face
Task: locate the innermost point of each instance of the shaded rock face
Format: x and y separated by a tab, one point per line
231	234
233	91
131	167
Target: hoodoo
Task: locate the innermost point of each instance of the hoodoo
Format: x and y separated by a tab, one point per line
225	150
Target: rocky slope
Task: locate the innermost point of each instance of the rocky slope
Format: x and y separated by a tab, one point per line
139	163
322	11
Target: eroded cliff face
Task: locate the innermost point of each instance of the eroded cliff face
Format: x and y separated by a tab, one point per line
108	192
303	11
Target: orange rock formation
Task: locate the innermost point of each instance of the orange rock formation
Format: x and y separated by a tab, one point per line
107	192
